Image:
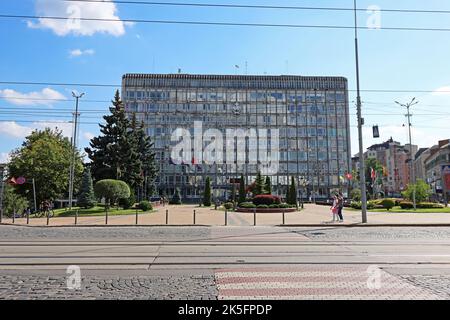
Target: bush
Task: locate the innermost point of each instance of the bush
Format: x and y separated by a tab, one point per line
388	204
228	205
145	206
111	190
247	205
284	206
406	205
128	202
275	206
429	205
263	206
355	194
266	199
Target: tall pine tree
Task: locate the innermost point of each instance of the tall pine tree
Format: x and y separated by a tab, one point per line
207	193
268	185
259	185
86	198
144	147
242	193
113	154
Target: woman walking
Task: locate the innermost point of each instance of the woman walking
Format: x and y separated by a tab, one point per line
334	209
340	207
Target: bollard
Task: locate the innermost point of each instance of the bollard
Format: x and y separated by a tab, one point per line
48	218
226	217
284	218
136	216
167	216
76	217
254	217
28	217
106	216
194	217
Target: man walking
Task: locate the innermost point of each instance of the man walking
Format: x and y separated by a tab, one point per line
340	207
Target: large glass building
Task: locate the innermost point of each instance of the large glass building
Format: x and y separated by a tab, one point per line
310	114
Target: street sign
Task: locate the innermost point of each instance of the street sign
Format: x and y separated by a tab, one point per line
20	180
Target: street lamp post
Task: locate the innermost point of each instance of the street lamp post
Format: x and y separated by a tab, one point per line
74	148
411	162
362	173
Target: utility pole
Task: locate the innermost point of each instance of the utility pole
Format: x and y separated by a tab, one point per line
411	160
74	148
362	172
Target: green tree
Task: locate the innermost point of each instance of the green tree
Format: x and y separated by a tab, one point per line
12	201
268	185
45	156
291	197
145	150
423	191
378	168
259	187
242	194
355	194
207	193
114	154
111	190
86	198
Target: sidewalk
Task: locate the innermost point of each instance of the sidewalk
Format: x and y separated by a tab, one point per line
312	215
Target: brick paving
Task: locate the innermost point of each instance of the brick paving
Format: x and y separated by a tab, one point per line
315	282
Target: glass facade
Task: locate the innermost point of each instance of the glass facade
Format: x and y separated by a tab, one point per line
311	114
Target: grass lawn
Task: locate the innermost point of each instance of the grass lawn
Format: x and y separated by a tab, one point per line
97	211
400	210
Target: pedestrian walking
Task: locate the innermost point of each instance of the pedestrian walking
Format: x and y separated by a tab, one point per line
340	207
334	208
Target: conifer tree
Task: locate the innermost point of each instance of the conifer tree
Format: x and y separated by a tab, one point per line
207	193
259	185
242	193
268	185
86	199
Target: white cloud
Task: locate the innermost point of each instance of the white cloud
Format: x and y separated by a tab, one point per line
442	91
32	98
15	130
88	135
79	52
4	157
74	11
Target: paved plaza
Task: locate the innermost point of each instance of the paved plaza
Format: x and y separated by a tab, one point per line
184	215
226	263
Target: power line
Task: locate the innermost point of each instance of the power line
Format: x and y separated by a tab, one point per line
226	24
119	85
242	6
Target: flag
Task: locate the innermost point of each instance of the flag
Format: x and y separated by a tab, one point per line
349	176
373	174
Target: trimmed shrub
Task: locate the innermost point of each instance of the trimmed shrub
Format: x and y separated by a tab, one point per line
145	206
176	198
284	206
128	202
388	204
406	205
274	206
430	205
266	199
228	205
263	206
111	190
247	205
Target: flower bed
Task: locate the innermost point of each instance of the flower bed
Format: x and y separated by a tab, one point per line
266	210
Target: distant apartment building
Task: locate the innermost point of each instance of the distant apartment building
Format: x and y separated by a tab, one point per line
396	159
2	183
437	169
311	115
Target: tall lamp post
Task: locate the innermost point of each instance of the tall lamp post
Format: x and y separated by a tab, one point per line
411	160
304	182
362	173
74	148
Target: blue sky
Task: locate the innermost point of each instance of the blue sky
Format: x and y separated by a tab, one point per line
103	52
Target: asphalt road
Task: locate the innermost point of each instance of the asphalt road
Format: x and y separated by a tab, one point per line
224	262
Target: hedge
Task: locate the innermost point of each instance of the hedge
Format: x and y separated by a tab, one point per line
266	199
